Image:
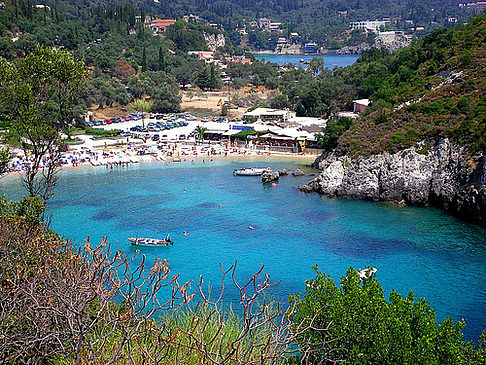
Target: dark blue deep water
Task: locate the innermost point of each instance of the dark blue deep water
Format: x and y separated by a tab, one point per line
425	250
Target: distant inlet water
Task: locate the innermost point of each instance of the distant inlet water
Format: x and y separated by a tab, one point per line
330	61
425	250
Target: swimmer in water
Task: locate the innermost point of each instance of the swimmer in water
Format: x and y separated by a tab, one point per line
251	227
185	233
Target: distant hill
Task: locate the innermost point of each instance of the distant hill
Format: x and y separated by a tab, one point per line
300	14
432	89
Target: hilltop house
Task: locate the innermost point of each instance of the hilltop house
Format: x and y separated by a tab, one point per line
263	23
274	27
477	7
360	106
159	25
206	56
369	25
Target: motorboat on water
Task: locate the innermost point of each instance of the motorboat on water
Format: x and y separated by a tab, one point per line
150	242
250	171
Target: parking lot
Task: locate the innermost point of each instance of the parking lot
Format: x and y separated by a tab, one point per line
156	127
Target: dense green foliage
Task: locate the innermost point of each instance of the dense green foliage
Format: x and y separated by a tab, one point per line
334	129
29	209
321	21
433	89
355	324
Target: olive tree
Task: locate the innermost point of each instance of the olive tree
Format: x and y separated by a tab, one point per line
39	94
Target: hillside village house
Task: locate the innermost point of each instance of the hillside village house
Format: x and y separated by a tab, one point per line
477	7
159	25
360	106
263	22
206	56
369	25
274	27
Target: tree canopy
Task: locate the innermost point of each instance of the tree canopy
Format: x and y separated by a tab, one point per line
353	323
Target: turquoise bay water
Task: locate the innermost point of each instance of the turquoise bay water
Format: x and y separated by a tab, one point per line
330	61
438	256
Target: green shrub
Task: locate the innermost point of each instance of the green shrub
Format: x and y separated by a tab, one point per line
396	139
354	324
30	209
463	104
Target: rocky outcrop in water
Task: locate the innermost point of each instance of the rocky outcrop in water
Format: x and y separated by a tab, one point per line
269	176
444	177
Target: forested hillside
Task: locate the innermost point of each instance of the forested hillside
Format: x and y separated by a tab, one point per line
320	21
435	88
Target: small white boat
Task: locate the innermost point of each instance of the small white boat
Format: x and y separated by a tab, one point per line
250	171
150	242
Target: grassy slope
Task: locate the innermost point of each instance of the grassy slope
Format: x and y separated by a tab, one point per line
445	84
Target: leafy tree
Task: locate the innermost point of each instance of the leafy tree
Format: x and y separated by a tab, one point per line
161	61
5	155
166	99
200	132
159	87
203	79
316	65
105	92
144	60
328	139
142	106
183	74
38	93
355	324
224	111
124	71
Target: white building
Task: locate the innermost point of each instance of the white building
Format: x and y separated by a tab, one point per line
369	25
269	114
263	22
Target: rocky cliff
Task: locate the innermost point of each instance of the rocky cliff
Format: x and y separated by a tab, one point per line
214	41
444	176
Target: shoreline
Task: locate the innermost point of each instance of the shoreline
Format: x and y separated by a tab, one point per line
150	158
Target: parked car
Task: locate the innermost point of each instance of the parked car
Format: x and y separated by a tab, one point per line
155	137
89	124
182	137
125	134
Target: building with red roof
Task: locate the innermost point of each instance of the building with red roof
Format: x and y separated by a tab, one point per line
159	25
